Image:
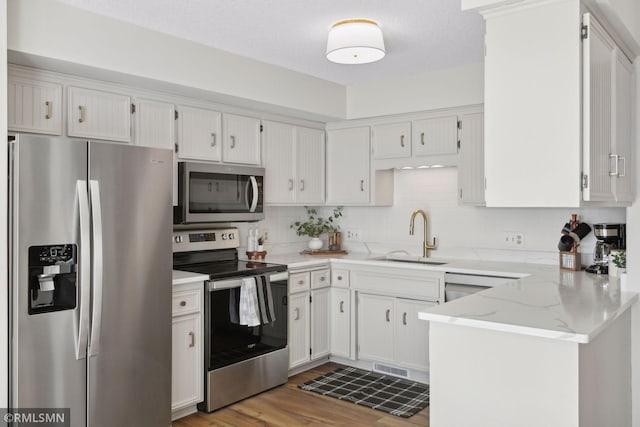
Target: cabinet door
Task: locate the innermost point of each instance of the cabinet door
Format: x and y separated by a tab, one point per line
279	163
435	136
598	160
340	331
375	327
199	135
299	333
348	159
391	140
471	160
154	123
412	334
310	164
100	115
623	129
319	323
34	106
186	376
241	143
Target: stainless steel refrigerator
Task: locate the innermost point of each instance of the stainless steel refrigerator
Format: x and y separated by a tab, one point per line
90	273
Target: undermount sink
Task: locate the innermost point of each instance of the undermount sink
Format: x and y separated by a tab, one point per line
409	258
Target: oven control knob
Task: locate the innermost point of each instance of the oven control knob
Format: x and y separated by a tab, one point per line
224	236
232	236
177	239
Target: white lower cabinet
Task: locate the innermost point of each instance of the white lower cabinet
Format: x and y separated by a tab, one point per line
187	388
389	331
340	322
308	316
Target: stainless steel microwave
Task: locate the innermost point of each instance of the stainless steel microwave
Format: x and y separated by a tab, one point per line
218	193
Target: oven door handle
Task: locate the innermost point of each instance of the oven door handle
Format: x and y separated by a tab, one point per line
217	285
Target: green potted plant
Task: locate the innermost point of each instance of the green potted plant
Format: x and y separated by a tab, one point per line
316	225
617	262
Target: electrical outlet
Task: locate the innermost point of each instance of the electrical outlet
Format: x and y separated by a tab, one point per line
354	235
514	239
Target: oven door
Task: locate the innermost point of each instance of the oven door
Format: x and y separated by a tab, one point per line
227	341
219	193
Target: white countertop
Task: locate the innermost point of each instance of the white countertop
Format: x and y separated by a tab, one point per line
544	301
182	277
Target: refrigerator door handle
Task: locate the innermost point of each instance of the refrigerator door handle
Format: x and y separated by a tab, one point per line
97	273
82	321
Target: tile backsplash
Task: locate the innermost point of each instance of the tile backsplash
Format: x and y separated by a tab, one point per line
467	232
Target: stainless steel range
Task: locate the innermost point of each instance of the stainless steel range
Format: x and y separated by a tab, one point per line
246	348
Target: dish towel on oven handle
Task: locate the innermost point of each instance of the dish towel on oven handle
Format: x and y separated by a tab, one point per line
249	308
265	299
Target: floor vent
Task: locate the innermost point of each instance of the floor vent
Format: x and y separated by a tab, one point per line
390	370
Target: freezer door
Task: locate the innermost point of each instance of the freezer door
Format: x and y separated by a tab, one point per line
130	339
48	187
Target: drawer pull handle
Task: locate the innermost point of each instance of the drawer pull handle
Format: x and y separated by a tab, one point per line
388	313
82	112
297	314
183	303
341	306
233	141
302	185
402	140
422	138
49	105
300	282
404	318
193	339
362	185
290	185
213	139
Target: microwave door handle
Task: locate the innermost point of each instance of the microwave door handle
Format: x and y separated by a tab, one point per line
96	320
82	321
246	195
254	187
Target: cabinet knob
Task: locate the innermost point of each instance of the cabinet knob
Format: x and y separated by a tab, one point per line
183	303
300	282
339	277
322	278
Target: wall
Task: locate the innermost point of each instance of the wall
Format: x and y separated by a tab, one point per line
431	90
52	35
463	231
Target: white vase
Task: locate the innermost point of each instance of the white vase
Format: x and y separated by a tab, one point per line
315	243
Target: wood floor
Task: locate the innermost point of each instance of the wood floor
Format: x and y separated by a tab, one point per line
289	406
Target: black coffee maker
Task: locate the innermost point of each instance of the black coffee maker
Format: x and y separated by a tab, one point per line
610	236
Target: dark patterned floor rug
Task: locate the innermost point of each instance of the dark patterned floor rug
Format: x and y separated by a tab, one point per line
395	396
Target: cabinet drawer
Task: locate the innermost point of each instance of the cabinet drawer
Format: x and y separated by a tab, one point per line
184	302
319	279
299	282
340	278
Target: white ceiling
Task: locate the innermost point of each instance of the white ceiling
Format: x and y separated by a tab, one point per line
420	35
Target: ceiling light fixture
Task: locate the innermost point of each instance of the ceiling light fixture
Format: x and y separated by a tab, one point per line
355	41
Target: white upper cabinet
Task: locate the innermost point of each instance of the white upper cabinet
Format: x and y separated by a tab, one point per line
294	164
471	160
100	115
348	163
310	165
555	121
391	140
34	106
199	134
608	106
154	123
241	139
435	136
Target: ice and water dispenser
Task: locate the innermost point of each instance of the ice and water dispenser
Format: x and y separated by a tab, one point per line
52	278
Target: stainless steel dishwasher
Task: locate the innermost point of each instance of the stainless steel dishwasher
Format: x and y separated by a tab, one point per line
460	285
